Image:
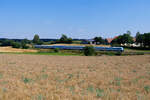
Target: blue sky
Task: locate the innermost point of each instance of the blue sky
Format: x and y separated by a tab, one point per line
75	18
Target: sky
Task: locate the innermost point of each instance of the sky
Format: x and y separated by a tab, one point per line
75	18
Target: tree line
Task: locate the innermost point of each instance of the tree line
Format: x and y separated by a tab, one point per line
122	40
25	43
143	40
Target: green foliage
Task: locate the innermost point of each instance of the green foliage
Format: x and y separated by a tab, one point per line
16	45
90	89
126	38
26	41
24	44
139	39
56	50
143	39
89	51
147	89
36	38
52	42
146	39
123	39
128	32
40	42
7	42
40	97
115	45
64	39
117	81
99	92
100	40
106	42
118	53
26	80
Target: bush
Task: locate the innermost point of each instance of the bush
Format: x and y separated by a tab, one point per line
16	45
25	46
56	50
118	53
89	51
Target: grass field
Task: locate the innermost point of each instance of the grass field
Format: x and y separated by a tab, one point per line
42	77
133	50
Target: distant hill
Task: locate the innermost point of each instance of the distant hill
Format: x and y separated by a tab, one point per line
44	40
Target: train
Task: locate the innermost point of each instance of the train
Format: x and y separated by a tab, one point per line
118	49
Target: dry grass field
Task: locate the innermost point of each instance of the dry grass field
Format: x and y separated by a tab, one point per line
10	49
41	77
82	45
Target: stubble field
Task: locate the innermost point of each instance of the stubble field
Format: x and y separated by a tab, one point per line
43	77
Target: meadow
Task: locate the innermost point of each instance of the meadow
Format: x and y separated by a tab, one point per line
48	77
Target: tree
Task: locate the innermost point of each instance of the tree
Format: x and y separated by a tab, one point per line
126	38
64	39
143	39
117	40
146	39
99	40
36	39
106	42
26	41
123	39
139	39
137	34
129	32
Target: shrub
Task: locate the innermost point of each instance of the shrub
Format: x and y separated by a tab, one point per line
118	53
89	51
56	50
24	46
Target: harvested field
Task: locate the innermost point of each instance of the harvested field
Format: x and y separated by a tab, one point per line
41	77
10	49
